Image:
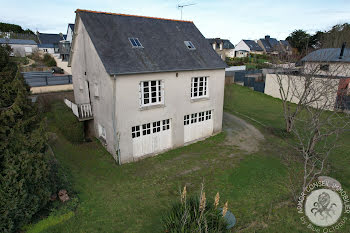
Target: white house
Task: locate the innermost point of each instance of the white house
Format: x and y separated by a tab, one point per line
70	31
144	85
20	47
249	45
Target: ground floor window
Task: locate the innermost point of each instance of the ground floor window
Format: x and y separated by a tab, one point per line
197	117
150	128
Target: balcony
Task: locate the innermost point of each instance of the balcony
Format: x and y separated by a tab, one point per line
82	111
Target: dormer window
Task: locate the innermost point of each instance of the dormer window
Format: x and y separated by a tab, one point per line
135	43
189	45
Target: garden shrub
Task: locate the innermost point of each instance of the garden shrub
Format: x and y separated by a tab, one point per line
67	123
195	214
49	60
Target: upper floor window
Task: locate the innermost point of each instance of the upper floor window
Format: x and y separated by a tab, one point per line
151	93
189	45
135	43
199	87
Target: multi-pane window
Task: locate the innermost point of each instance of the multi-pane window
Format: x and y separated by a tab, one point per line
166	124
201	116
193	118
135	43
135	131
150	128
199	87
151	93
146	129
186	119
208	115
197	117
156	126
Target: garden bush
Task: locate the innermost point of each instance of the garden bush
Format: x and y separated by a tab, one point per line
67	123
196	214
49	60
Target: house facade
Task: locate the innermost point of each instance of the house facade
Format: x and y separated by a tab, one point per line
250	46
224	48
273	46
148	88
20	47
48	42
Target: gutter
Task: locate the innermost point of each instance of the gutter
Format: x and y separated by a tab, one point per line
116	140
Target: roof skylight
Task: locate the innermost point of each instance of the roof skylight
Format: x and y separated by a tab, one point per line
135	43
189	45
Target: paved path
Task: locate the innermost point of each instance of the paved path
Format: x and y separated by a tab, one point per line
241	134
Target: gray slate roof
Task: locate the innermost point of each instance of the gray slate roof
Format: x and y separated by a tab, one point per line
266	45
162	41
17	41
71	25
327	55
46	38
226	43
253	45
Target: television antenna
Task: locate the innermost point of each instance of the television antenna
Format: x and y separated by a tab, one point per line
182	6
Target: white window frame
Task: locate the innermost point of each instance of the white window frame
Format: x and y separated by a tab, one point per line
159	93
189	45
205	91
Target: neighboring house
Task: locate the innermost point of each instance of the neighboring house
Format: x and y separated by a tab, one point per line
241	53
286	47
332	64
249	45
222	47
65	45
20	47
144	85
273	46
49	42
70	31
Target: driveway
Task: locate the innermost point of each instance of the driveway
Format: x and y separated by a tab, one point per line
241	134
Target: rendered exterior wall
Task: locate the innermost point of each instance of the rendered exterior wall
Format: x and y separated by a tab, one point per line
335	68
19	49
177	103
85	59
272	88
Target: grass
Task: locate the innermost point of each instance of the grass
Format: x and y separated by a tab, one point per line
133	197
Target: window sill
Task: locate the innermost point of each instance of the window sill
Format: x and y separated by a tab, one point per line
199	99
142	108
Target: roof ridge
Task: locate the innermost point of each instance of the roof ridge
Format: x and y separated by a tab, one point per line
149	17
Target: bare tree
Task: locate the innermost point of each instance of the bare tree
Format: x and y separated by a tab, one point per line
310	99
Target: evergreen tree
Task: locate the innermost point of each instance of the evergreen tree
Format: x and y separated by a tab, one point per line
24	169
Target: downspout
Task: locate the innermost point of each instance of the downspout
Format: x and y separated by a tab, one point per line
116	139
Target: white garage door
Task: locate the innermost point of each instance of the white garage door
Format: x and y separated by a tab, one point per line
151	137
198	125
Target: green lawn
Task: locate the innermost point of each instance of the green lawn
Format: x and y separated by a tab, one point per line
133	197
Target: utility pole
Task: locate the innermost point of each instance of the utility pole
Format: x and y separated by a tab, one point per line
182	6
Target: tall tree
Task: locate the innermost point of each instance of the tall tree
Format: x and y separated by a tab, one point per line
299	39
24	169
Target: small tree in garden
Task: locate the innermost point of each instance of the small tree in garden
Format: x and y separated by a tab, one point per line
196	214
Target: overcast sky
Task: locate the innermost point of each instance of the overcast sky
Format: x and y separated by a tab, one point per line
232	19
